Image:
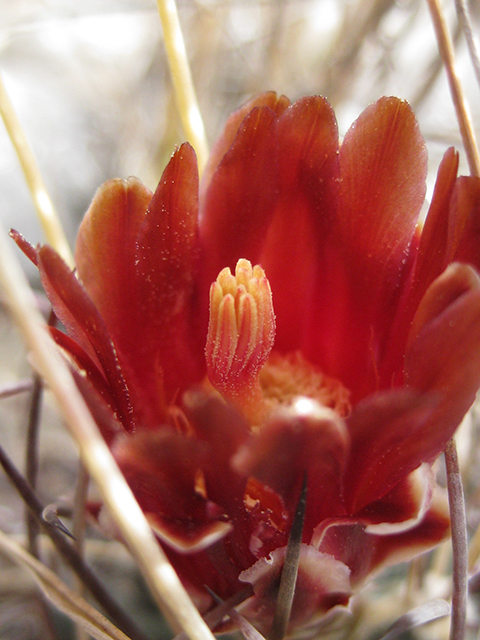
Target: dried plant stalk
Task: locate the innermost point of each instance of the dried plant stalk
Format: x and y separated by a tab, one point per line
163	581
182	80
66	600
445	48
45	210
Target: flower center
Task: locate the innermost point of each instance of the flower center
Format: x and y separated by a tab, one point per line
286	377
240	337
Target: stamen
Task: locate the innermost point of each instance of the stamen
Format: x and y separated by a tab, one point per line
240	336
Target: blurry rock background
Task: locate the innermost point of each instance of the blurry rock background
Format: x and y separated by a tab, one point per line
90	83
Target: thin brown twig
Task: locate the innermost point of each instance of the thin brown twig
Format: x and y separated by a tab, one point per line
458	519
445	48
31	473
69	553
14	388
81	491
31	460
31	451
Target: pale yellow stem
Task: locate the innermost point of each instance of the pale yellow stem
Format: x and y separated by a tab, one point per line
182	80
46	212
445	48
165	586
474	549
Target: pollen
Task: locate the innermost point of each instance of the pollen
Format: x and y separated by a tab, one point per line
241	333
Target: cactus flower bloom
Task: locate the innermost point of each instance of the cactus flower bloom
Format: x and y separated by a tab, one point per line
287	320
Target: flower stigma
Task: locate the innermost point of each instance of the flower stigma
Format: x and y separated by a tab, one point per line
241	332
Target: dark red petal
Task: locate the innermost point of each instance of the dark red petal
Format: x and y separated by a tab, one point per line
166	269
76	310
269	99
28	249
84	363
239	202
466	206
430	257
224	430
102	408
365	551
403	505
434	252
161	468
383	165
387	435
443	354
304	439
294	249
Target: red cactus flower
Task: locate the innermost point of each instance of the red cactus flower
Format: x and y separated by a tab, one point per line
347	360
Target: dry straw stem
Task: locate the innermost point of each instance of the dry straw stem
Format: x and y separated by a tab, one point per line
182	80
445	48
66	600
46	212
163	581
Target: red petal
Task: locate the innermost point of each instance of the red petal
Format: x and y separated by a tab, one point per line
443	355
383	167
75	309
28	249
387	434
161	468
301	224
105	249
433	252
466	206
224	430
167	265
136	254
365	552
269	99
383	163
305	438
239	201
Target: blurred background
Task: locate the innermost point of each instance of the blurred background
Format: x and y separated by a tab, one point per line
91	85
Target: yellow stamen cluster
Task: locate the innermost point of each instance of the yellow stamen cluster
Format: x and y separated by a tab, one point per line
241	333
